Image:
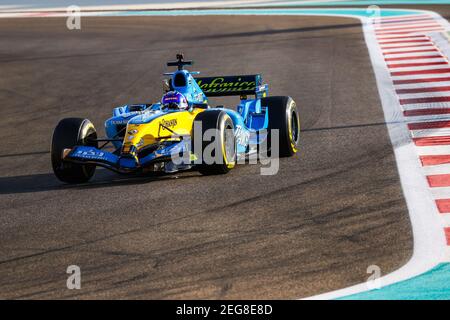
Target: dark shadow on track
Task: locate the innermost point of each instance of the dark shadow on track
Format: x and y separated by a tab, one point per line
48	181
179	47
23	154
347	126
282	31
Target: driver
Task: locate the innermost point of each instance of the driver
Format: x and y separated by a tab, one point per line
174	100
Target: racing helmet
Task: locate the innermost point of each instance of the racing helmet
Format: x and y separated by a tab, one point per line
174	100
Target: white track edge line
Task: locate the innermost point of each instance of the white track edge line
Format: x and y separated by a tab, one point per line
429	241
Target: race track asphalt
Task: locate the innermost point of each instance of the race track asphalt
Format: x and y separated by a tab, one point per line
331	211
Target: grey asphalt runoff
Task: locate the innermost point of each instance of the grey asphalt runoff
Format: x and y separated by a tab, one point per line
332	210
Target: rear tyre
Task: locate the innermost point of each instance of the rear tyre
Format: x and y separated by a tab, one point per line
218	155
283	116
68	133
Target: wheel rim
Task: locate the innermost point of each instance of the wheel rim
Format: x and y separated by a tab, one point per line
294	129
294	125
229	146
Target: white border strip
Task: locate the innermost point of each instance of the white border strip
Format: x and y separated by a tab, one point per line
430	247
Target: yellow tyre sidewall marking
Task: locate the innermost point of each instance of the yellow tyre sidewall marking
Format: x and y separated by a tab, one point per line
230	165
291	107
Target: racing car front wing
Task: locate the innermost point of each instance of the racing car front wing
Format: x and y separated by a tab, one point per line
123	163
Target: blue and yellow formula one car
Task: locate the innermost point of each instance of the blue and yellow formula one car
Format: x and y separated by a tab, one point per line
182	131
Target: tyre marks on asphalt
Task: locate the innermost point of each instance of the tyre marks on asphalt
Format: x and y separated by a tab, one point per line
420	73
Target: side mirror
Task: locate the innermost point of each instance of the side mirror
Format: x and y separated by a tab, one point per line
166	85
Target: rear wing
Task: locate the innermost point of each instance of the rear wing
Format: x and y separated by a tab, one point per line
233	86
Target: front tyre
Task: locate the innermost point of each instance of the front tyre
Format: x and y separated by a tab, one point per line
284	117
71	132
216	147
